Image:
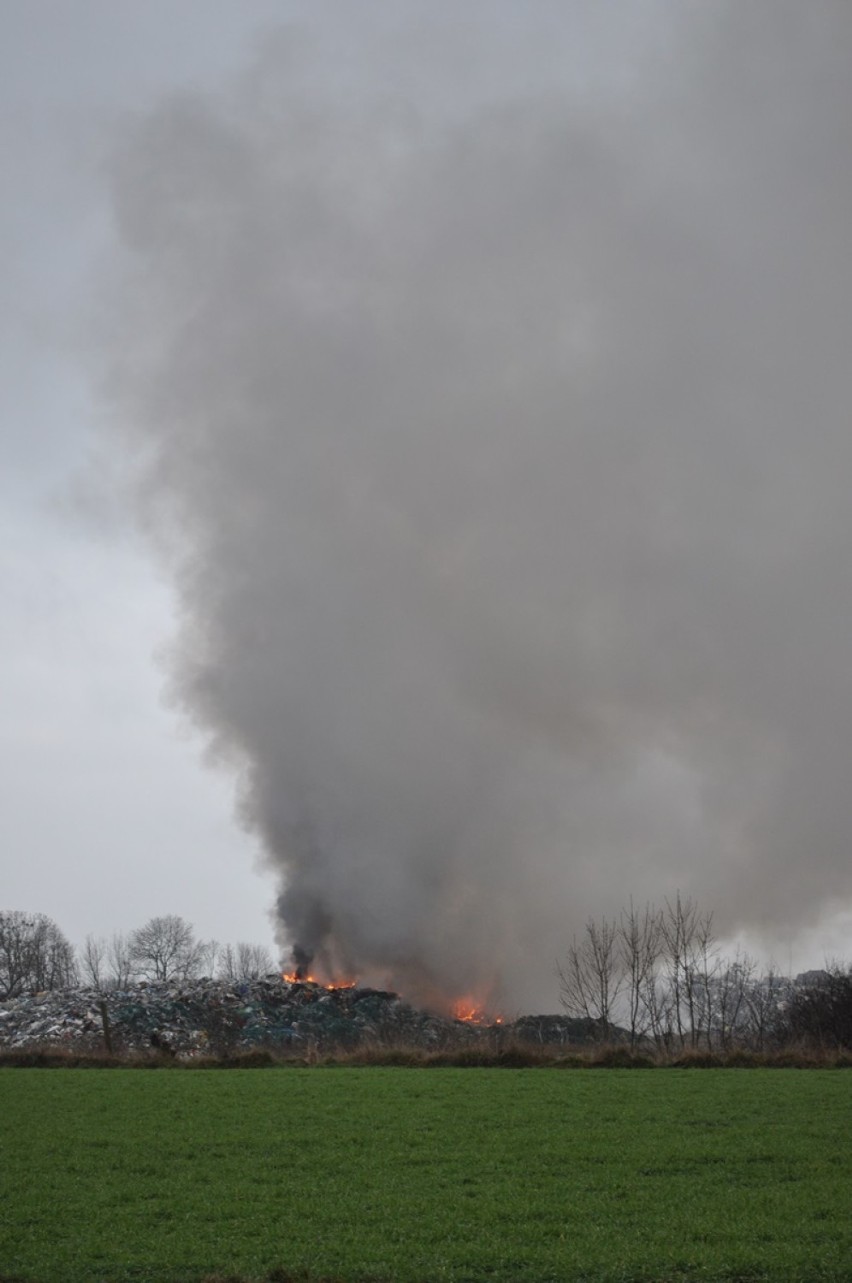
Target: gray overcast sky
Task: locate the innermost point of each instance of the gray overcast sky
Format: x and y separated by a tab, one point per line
107	816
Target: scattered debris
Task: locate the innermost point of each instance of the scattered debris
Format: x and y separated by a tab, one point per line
215	1017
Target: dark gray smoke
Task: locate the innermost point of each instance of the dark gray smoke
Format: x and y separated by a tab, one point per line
501	454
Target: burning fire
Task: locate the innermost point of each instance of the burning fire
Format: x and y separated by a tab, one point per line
472	1010
296	978
464	1010
473	1013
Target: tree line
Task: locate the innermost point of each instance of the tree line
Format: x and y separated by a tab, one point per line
657	975
36	956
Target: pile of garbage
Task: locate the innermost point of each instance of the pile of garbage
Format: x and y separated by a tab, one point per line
215	1017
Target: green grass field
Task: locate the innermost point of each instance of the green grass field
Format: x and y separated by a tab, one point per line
134	1175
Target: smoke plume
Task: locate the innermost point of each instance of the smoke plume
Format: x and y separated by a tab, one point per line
499	451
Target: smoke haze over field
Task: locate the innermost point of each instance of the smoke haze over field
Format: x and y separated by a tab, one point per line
499	450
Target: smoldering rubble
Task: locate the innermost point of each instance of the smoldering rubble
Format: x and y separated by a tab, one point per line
213	1017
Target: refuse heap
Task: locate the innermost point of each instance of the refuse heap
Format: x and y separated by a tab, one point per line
215	1017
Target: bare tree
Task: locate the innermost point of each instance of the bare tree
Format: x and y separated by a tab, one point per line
591	978
34	954
766	1000
704	967
166	949
209	952
686	936
93	962
120	965
639	947
245	962
253	960
735	978
655	969
227	963
658	1002
16	950
660	972
55	963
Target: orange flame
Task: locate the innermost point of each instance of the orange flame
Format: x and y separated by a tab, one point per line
293	978
472	1012
467	1009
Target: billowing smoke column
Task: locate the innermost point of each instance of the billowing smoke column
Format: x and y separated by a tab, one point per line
500	453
